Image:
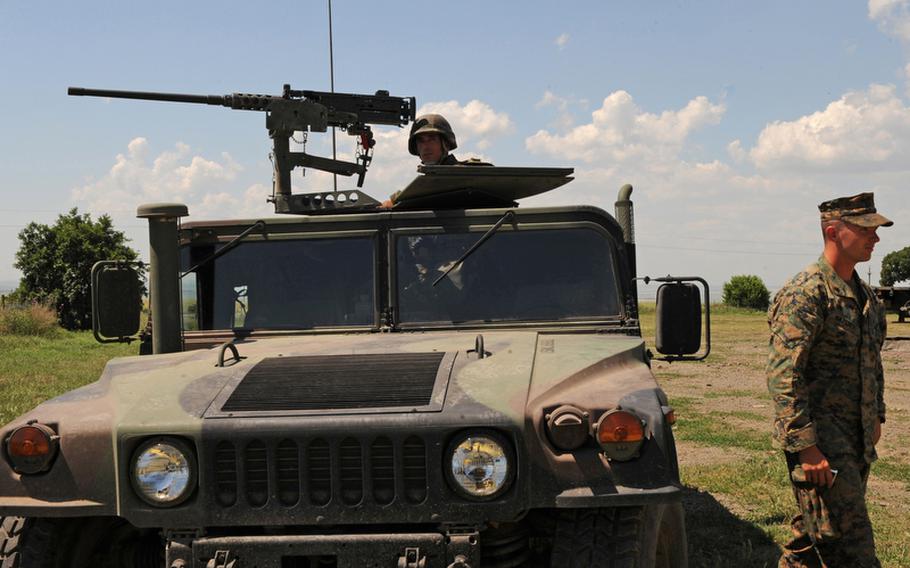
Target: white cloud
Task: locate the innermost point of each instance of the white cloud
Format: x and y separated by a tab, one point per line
174	175
892	16
562	41
474	120
736	152
620	131
862	131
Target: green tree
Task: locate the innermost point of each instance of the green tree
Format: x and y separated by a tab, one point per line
56	263
895	267
746	291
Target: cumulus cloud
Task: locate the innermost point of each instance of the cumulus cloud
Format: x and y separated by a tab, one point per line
861	131
175	175
892	17
621	131
562	41
475	121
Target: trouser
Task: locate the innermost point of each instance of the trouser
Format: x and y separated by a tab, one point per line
832	528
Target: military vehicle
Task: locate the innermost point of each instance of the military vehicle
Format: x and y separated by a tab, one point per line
453	382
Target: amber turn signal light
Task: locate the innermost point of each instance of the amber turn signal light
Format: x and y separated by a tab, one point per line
620	434
32	448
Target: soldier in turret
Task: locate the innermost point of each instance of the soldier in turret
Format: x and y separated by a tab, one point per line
825	376
432	140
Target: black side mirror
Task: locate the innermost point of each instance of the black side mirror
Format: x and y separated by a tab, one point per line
679	318
116	301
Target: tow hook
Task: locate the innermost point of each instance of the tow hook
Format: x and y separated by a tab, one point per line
222	559
412	558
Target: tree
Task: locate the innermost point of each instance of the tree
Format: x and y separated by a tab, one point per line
56	263
746	291
895	267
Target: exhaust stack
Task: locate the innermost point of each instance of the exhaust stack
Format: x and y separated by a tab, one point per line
626	218
164	274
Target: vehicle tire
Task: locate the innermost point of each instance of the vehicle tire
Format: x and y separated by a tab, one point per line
621	537
100	542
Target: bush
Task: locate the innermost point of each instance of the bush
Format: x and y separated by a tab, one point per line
56	263
33	319
746	291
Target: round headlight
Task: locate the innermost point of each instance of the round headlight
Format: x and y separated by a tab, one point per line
164	472
481	465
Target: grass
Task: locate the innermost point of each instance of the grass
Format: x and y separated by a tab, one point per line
738	500
35	368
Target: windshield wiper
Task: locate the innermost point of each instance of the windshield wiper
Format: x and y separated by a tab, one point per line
486	236
231	244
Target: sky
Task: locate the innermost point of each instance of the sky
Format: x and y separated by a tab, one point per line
732	120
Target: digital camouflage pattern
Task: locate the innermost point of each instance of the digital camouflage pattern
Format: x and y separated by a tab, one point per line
824	366
825	377
858	210
833	523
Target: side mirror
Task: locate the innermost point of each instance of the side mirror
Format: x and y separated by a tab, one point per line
116	301
678	331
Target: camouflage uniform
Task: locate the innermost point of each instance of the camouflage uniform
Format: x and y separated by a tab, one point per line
825	376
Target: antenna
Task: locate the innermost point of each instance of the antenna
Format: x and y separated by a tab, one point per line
332	88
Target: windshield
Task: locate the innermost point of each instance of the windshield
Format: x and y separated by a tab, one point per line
286	284
530	275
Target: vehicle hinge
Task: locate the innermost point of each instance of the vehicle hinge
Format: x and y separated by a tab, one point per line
412	558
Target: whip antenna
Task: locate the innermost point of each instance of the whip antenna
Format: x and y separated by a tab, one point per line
332	88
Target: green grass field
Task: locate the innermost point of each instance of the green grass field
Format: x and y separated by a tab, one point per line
738	503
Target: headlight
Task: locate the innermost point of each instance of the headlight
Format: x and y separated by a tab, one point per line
481	465
163	472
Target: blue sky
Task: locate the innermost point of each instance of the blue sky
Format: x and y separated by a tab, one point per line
733	120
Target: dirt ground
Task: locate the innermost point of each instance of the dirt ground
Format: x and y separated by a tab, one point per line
731	386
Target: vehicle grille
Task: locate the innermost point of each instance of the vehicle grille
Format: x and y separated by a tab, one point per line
330	382
319	471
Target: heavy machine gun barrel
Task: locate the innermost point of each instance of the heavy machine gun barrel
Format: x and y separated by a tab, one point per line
148	96
295	110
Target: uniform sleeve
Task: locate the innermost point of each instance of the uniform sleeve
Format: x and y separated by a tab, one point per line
880	393
795	319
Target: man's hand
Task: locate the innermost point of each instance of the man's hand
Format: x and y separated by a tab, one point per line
877	433
815	466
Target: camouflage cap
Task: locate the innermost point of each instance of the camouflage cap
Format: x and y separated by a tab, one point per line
857	210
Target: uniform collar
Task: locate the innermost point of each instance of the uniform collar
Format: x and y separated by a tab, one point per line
840	287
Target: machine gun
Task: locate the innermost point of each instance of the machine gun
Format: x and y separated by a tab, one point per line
306	111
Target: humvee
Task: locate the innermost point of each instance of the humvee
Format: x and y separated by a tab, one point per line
455	382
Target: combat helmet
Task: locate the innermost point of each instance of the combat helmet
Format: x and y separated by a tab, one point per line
431	123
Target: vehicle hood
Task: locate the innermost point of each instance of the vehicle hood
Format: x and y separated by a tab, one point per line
182	389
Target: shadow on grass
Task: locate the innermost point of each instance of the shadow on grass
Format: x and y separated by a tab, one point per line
717	538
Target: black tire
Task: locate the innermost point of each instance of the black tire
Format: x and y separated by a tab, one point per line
77	543
621	537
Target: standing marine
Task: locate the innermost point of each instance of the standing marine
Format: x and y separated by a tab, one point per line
825	376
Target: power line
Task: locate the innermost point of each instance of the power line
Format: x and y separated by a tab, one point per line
755	252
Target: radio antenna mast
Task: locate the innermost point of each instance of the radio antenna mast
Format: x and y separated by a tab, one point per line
332	88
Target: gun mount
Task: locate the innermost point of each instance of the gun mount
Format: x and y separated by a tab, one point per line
306	111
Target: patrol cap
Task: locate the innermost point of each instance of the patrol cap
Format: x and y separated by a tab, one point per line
856	210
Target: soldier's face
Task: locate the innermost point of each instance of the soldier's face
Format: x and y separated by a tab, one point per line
857	242
429	147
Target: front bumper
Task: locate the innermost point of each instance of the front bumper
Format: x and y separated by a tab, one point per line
422	550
